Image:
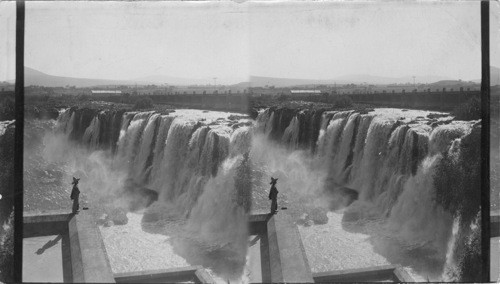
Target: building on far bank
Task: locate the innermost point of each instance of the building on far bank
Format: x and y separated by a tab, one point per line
105	92
305	92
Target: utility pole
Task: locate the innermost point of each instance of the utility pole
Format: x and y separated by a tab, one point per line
414	82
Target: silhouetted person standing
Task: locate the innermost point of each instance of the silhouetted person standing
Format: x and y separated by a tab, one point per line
75	195
273	195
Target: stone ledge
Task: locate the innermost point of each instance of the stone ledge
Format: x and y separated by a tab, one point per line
369	274
48	216
257	223
196	274
50	223
89	260
259	217
287	257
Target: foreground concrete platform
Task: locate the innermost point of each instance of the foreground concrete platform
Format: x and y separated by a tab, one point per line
282	254
72	248
495	246
287	255
283	257
43	259
84	257
495	260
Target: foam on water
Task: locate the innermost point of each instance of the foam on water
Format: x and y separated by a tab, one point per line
330	247
130	248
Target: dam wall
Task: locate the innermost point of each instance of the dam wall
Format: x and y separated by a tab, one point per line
240	102
442	100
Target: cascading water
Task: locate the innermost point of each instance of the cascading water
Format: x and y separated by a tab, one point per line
184	157
389	157
384	160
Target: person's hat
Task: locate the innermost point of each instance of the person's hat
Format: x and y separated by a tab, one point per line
273	180
75	180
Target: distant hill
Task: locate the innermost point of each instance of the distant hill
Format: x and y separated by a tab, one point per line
258	81
35	77
160	80
446	83
379	80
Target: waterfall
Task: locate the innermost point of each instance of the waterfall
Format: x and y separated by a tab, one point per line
158	152
143	158
388	157
291	135
91	135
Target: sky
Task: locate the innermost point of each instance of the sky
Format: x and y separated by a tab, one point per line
7	40
230	41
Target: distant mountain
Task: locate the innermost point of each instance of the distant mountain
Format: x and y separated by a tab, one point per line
379	80
35	77
160	80
451	83
258	81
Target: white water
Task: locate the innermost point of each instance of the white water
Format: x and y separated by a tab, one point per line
340	249
130	248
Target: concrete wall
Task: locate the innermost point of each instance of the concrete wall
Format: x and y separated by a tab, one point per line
89	259
445	100
35	225
439	100
283	257
56	223
442	100
228	102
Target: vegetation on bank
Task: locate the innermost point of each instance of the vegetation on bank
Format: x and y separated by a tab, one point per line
458	190
470	110
343	102
6	201
7	108
143	103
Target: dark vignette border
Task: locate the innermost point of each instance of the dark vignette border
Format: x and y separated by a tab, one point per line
18	147
485	140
